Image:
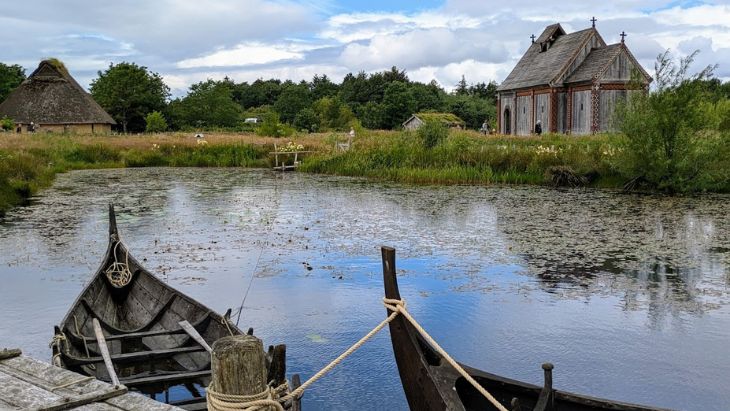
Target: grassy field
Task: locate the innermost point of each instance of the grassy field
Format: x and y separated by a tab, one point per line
29	162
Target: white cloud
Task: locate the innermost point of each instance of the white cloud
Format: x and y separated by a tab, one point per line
243	55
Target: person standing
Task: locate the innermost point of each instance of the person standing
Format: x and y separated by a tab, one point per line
538	128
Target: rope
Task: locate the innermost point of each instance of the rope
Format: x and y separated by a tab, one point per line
399	307
118	273
224	320
68	384
250	282
57	340
268	400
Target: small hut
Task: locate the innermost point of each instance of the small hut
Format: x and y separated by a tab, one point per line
447	119
51	100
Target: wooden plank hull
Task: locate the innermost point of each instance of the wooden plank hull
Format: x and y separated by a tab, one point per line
431	384
139	316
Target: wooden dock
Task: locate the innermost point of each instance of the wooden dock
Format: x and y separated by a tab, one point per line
29	384
282	166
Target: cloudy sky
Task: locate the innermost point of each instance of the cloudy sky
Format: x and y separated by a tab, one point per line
187	41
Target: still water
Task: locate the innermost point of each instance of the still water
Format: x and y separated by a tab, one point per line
627	295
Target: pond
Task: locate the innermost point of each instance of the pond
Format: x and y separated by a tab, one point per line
627	295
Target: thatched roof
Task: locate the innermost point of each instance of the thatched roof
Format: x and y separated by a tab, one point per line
51	96
447	119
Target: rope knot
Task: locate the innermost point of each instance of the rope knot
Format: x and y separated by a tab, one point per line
394	305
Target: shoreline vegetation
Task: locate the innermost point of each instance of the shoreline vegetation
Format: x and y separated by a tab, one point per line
29	163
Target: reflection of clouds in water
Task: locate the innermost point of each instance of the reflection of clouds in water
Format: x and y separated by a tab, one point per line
526	270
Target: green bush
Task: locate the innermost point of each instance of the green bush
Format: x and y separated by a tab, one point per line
671	138
271	127
432	133
6	123
156	122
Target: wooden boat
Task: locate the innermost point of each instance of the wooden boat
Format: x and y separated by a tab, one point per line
431	384
128	327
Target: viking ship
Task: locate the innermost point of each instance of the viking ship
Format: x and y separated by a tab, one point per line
128	327
432	384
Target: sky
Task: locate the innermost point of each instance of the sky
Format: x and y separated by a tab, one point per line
187	41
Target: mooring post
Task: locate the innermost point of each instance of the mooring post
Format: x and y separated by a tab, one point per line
238	365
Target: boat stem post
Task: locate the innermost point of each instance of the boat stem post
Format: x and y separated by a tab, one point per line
238	365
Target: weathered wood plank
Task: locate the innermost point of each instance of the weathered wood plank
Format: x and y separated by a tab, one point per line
67	403
192	332
105	352
177	377
21	394
137	356
9	353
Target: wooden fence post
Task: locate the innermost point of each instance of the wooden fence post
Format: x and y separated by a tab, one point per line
238	365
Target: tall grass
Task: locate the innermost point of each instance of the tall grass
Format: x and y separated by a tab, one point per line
29	163
470	158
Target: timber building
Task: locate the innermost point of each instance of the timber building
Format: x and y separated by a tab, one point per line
571	83
53	101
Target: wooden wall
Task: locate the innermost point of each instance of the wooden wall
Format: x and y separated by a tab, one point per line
523	111
609	99
70	128
542	111
562	112
413	124
619	70
582	112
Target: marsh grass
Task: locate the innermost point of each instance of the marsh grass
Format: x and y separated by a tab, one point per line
466	157
30	162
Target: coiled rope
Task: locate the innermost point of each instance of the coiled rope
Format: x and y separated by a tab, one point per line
118	273
267	399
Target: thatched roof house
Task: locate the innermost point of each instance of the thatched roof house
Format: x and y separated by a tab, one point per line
569	82
447	119
52	100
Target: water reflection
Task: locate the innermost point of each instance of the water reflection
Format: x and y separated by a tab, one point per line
504	277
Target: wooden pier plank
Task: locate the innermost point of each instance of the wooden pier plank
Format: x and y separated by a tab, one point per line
29	383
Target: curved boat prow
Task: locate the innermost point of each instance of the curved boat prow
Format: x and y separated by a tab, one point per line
112	221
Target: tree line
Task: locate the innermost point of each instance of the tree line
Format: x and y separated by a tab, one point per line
138	99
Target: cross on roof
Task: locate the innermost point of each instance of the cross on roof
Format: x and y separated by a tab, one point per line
594	20
533	38
623	36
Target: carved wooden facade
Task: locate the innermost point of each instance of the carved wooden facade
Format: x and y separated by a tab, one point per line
571	83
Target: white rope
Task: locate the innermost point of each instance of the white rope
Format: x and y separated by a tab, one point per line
270	400
399	307
118	273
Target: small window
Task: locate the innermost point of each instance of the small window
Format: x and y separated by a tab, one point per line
543	47
523	110
581	106
542	109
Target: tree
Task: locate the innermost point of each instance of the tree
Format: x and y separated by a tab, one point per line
398	104
293	98
10	78
307	119
373	115
6	123
333	114
322	86
670	139
129	92
462	88
471	109
208	104
156	122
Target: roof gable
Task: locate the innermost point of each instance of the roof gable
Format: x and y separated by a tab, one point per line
543	65
613	63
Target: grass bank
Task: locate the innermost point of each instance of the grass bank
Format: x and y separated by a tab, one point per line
29	163
466	157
